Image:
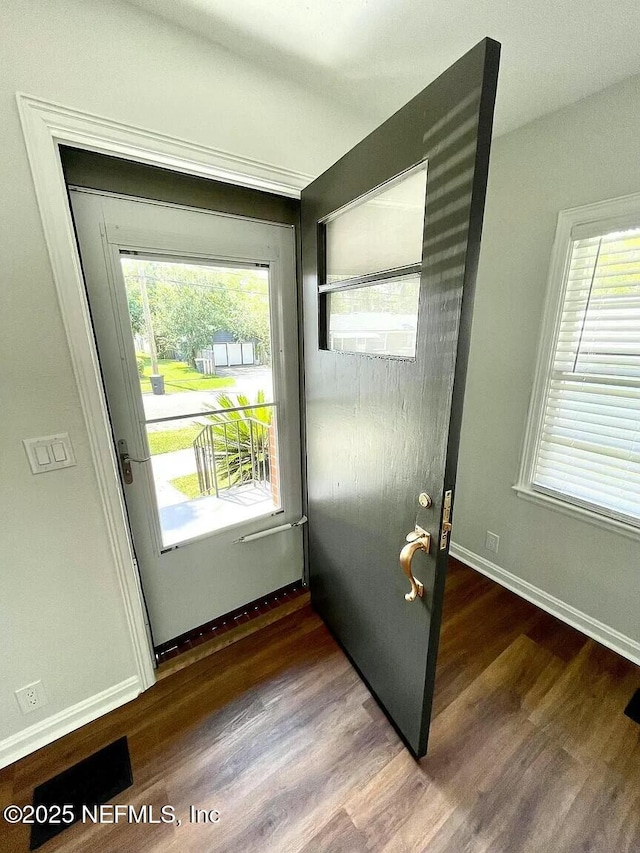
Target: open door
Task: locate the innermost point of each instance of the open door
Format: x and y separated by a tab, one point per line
391	237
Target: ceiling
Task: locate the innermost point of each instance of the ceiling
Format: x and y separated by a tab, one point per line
373	55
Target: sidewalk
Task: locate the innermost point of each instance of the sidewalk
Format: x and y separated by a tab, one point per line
183	518
168	466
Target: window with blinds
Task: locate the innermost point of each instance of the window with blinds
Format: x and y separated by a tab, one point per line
588	441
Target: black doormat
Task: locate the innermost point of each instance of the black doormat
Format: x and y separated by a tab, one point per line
91	782
633	708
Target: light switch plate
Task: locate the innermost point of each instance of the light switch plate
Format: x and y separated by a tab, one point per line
49	452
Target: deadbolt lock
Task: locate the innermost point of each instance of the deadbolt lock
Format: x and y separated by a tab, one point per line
424	500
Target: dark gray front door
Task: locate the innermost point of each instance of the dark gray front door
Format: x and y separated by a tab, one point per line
389	273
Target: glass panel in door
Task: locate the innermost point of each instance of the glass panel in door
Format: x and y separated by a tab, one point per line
382	230
379	319
202	336
372	265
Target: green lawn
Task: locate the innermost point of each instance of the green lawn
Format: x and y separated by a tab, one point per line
179	376
168	440
188	485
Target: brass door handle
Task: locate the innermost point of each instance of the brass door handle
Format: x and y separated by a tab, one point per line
417	540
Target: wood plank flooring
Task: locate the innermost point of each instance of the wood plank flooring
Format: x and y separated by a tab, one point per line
530	749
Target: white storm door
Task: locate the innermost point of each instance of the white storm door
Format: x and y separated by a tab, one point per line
213	452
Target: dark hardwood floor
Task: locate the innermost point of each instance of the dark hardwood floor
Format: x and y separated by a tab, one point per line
530	749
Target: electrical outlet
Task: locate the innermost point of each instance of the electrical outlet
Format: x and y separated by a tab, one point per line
31	697
492	542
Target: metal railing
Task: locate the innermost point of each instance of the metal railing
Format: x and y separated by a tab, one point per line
232	453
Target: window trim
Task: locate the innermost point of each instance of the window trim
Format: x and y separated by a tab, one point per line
573	223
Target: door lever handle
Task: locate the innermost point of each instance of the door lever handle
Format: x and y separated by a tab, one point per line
126	460
417	540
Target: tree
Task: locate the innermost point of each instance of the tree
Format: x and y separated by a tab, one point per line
135	309
190	302
187	317
249	321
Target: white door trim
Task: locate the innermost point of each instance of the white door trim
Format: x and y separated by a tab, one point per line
46	125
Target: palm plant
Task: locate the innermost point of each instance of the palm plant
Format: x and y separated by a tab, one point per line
241	439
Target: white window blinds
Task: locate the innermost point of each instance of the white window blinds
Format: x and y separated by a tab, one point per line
589	444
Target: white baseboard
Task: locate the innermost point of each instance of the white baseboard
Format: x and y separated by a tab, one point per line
51	728
609	637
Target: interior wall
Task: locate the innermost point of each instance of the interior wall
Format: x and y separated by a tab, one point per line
584	153
60	610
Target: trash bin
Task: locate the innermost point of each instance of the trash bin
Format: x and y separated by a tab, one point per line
157	383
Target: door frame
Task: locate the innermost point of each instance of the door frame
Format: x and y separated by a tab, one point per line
46	125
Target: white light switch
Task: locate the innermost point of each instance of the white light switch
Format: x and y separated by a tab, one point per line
58	450
42	454
49	452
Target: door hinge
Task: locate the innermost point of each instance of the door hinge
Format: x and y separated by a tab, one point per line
446	520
